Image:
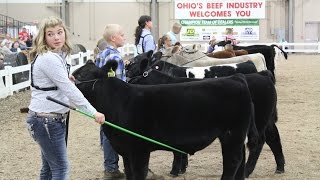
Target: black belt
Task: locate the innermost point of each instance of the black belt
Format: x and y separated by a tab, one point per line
49	115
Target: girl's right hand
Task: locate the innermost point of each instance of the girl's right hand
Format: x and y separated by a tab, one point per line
99	118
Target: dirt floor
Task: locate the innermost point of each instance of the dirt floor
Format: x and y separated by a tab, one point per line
298	86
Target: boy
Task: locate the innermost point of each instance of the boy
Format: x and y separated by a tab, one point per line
114	36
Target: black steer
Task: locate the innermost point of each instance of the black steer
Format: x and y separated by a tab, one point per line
264	97
267	51
190	121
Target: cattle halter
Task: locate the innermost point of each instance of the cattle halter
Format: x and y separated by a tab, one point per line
77	82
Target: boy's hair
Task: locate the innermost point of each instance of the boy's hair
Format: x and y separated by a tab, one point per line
176	26
111	30
39	44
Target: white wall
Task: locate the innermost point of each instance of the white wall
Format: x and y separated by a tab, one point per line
88	18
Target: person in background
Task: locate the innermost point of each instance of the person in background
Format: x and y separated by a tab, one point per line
144	40
15	47
212	45
164	43
29	41
49	77
230	37
114	38
101	45
24	35
175	31
7	42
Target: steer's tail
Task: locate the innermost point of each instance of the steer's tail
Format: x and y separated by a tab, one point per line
253	134
24	110
283	52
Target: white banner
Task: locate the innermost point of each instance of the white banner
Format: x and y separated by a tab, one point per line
220	9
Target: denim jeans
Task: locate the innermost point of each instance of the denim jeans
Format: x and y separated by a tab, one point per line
49	133
110	156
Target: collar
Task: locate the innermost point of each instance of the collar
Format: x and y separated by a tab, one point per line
112	48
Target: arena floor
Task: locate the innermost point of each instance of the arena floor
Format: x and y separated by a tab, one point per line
298	86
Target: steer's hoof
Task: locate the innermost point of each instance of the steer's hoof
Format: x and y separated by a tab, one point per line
182	171
279	171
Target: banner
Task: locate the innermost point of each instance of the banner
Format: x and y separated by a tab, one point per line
220	9
204	29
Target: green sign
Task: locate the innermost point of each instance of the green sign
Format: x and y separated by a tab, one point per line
219	22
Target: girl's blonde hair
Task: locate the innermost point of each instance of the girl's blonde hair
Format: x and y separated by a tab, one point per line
162	40
39	44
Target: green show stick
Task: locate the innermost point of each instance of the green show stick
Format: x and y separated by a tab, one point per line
116	126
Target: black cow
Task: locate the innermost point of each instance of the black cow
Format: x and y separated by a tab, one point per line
264	97
190	121
267	51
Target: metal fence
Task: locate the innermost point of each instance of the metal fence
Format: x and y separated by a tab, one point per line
11	26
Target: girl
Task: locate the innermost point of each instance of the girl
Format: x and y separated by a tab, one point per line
143	37
49	77
164	43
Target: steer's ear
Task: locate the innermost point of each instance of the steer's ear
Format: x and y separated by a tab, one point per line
111	64
150	53
156	56
89	61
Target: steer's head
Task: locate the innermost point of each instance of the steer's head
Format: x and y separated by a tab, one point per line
141	62
86	76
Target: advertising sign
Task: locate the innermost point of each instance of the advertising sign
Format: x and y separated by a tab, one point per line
204	29
220	9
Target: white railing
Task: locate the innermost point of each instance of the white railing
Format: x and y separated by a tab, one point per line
130	49
289	47
77	61
7	88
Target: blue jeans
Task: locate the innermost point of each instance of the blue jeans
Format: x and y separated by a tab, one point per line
49	133
110	156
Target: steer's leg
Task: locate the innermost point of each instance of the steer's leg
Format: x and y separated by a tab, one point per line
176	164
254	153
274	142
240	171
140	163
184	163
179	164
127	168
232	144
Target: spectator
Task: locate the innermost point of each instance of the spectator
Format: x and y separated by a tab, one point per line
176	29
24	35
101	45
230	37
15	47
7	42
29	41
212	45
144	40
282	43
22	44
